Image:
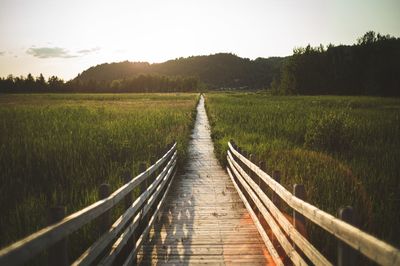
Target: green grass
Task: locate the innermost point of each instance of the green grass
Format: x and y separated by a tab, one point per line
58	148
345	150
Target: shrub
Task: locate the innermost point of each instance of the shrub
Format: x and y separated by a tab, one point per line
328	131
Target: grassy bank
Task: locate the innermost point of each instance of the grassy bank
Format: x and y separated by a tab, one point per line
345	150
58	149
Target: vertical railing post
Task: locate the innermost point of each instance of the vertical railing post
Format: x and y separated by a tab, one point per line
58	253
145	184
155	174
262	166
105	218
276	175
232	143
346	255
251	175
298	219
128	198
128	203
239	149
250	172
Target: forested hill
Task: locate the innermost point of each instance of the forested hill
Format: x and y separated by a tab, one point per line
215	71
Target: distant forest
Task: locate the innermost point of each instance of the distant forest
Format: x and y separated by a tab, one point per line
369	67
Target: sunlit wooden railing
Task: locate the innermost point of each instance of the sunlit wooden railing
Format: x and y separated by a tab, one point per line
251	182
125	235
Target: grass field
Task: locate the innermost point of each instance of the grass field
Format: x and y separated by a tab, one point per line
58	148
345	150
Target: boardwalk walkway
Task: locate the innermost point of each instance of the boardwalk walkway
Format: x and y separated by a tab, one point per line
203	220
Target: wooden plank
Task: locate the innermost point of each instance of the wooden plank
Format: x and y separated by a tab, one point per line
264	236
96	248
286	245
198	249
309	250
204	214
23	250
375	249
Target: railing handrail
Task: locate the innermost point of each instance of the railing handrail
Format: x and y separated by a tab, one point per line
370	246
26	248
96	248
308	249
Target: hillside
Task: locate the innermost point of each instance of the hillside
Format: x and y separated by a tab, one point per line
215	71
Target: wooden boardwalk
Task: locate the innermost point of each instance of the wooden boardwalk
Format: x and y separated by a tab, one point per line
203	220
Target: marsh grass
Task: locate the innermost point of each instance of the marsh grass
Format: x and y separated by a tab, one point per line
57	149
345	150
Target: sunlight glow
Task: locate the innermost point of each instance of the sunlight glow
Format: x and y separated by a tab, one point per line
97	31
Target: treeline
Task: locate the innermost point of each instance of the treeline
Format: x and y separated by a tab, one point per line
140	83
27	84
369	67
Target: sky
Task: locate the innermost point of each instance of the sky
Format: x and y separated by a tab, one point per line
65	37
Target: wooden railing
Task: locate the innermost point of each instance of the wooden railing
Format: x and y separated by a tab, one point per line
251	182
122	239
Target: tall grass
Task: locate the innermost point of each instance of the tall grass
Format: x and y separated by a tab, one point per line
345	150
58	149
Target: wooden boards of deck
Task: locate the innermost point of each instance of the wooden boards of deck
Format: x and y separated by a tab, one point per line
203	220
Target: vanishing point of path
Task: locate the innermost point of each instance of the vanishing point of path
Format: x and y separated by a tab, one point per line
203	220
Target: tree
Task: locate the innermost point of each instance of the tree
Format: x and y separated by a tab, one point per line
368	38
41	84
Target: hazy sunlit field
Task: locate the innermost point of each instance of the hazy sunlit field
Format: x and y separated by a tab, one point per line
56	149
345	150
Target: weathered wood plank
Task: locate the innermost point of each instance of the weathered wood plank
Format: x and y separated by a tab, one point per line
264	236
204	219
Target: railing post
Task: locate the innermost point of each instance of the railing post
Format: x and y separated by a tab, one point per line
239	149
145	184
143	219
128	203
346	255
251	159
261	165
58	253
246	155
298	219
105	218
251	175
155	174
276	175
232	143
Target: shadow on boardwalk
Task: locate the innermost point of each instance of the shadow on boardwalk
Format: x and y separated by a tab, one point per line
203	220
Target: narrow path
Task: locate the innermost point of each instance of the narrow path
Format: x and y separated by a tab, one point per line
203	220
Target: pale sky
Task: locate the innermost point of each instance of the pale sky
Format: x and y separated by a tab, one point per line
65	37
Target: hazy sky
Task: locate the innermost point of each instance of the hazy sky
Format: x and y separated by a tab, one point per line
64	38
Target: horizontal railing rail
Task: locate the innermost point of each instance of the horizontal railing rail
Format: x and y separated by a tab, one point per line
250	180
140	213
